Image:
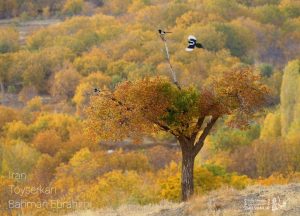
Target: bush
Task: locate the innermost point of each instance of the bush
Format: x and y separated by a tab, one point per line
239	182
35	104
117	187
9	39
266	70
7	115
73	7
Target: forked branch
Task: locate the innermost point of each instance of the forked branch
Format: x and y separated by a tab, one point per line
199	144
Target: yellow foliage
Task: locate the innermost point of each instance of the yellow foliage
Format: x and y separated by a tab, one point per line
18	158
5	193
92	61
48	142
73	7
279	178
187	19
129	161
65	83
239	182
117	7
205	181
80	157
7	115
62	123
116	188
35	104
275	178
169	181
86	88
8	39
18	130
136	5
134	55
272	126
289	96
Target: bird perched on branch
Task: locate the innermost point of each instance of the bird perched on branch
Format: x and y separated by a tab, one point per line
162	34
192	43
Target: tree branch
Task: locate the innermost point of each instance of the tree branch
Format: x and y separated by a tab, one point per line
200	142
197	128
173	74
165	128
120	103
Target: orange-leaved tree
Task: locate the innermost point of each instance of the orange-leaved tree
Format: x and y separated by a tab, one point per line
136	108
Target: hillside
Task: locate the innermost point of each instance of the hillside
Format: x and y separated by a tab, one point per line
278	200
26	28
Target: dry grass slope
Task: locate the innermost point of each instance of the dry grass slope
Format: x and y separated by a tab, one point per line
277	200
162	209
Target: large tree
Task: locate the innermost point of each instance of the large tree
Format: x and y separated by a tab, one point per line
141	107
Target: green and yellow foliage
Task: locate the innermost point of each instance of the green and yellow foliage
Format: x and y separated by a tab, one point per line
9	39
92	61
7	115
271	126
169	181
5	193
18	158
73	7
289	96
35	104
116	188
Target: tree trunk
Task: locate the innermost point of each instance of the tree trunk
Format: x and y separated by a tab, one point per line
189	151
2	93
187	174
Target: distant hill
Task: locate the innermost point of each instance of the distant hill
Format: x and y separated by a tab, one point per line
38	8
26	28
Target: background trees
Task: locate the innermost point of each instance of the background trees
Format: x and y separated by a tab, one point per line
84	90
65	83
48	75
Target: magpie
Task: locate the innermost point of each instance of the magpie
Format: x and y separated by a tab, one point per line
192	43
96	90
162	32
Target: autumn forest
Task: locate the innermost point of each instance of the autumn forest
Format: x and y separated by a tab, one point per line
97	109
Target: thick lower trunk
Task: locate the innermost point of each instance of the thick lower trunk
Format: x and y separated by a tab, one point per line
187	184
190	147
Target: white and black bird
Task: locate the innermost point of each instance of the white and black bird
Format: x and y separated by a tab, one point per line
192	43
162	32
